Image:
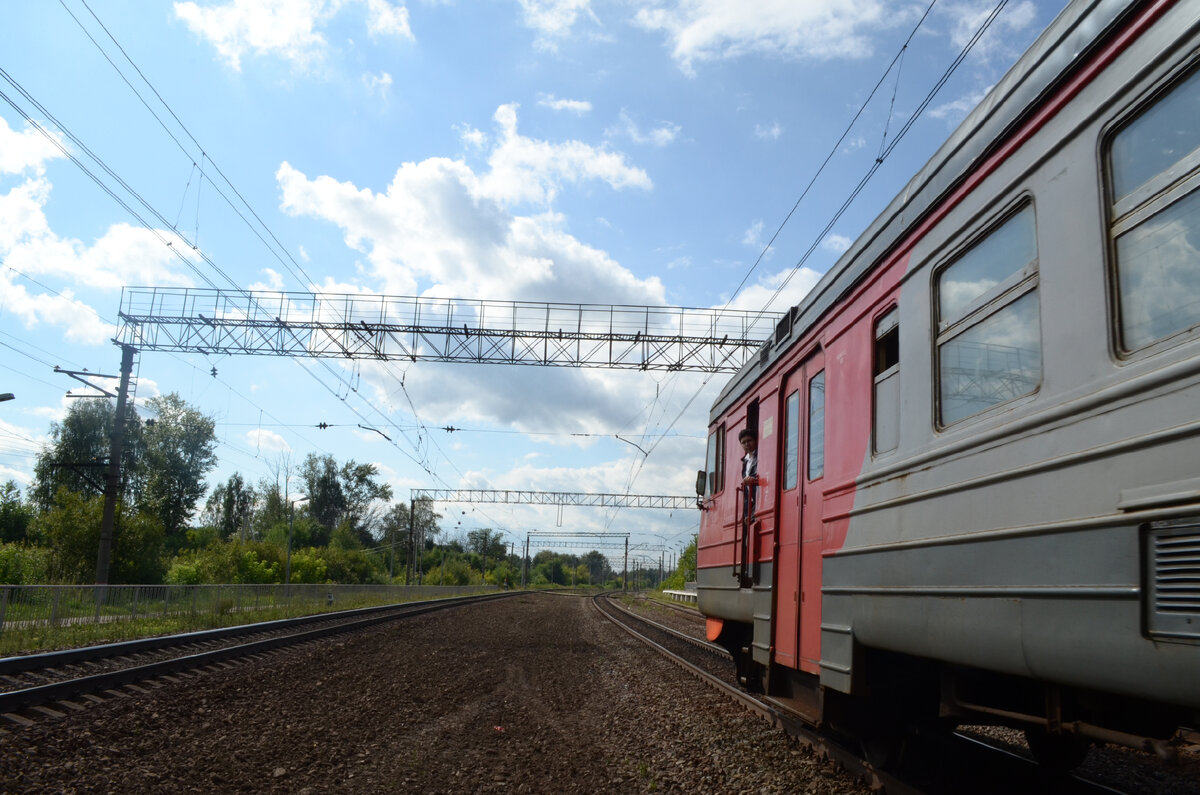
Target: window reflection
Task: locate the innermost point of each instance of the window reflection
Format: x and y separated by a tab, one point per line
1159	274
992	362
791	460
816	426
1005	251
1157	239
1157	139
989	346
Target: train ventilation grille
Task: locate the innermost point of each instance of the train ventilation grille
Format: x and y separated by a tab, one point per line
1174	593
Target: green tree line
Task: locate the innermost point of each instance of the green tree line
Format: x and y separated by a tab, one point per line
346	529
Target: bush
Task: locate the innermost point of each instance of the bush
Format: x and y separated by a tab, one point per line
24	565
308	566
352	566
249	562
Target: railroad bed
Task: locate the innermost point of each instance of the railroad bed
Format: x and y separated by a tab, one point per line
533	693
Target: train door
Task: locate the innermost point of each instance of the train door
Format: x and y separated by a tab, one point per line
793	473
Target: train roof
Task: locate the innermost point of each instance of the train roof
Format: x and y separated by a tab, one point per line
1047	62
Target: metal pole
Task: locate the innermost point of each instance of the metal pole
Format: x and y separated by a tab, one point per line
287	566
112	476
625	568
412	540
392	563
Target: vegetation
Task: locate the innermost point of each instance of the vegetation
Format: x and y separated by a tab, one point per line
346	529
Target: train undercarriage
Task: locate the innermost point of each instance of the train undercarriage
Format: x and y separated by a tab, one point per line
898	696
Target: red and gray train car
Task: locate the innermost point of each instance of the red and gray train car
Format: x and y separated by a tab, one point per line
979	434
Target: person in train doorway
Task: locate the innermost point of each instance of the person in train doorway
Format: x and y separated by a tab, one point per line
749	442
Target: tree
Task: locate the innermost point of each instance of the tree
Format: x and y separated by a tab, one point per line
179	450
71	528
487	543
350	494
394	530
229	506
78	452
15	514
271	508
326	501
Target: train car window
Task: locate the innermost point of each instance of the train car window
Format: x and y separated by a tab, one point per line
816	426
715	462
1154	179
791	453
887	382
989	331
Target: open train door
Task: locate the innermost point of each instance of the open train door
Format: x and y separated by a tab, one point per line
803	412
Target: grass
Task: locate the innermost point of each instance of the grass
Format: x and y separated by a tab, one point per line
27	631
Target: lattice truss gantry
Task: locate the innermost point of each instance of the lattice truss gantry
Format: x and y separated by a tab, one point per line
556	498
383	327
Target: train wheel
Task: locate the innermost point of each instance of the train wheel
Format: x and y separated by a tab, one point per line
1057	752
884	750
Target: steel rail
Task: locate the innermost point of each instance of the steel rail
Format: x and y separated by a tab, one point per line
704	645
777	717
1017	771
16	700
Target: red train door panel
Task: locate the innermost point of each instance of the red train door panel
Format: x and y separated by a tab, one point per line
812	516
792	474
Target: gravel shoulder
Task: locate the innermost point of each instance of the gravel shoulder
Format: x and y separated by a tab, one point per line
536	693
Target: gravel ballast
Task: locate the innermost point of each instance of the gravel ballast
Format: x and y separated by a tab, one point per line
536	693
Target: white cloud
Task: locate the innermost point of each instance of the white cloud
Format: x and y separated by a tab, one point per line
476	139
752	237
662	135
378	84
528	170
443	229
80	322
267	441
385	19
21	478
837	243
577	106
554	19
771	132
288	29
711	30
954	112
967	17
274	281
853	144
285	28
24	150
756	296
123	255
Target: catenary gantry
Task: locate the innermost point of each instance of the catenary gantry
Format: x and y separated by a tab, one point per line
557	498
408	328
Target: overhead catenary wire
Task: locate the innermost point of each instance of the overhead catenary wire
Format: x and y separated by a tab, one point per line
884	154
141	201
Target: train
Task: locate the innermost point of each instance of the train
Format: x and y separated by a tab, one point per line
977	498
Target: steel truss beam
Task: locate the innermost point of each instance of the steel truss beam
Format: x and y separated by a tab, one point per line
385	328
558	498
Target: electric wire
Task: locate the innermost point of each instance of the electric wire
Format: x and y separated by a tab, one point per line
885	153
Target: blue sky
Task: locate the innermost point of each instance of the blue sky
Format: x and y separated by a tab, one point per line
542	150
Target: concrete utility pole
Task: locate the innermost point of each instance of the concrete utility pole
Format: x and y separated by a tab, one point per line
625	568
112	475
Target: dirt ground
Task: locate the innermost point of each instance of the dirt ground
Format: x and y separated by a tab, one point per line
532	694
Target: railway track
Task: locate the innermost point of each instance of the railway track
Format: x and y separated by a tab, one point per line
46	684
937	764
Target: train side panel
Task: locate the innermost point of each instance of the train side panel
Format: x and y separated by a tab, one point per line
1022	539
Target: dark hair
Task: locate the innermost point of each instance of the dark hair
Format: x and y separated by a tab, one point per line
747	432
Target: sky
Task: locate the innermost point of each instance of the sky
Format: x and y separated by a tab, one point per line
592	151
